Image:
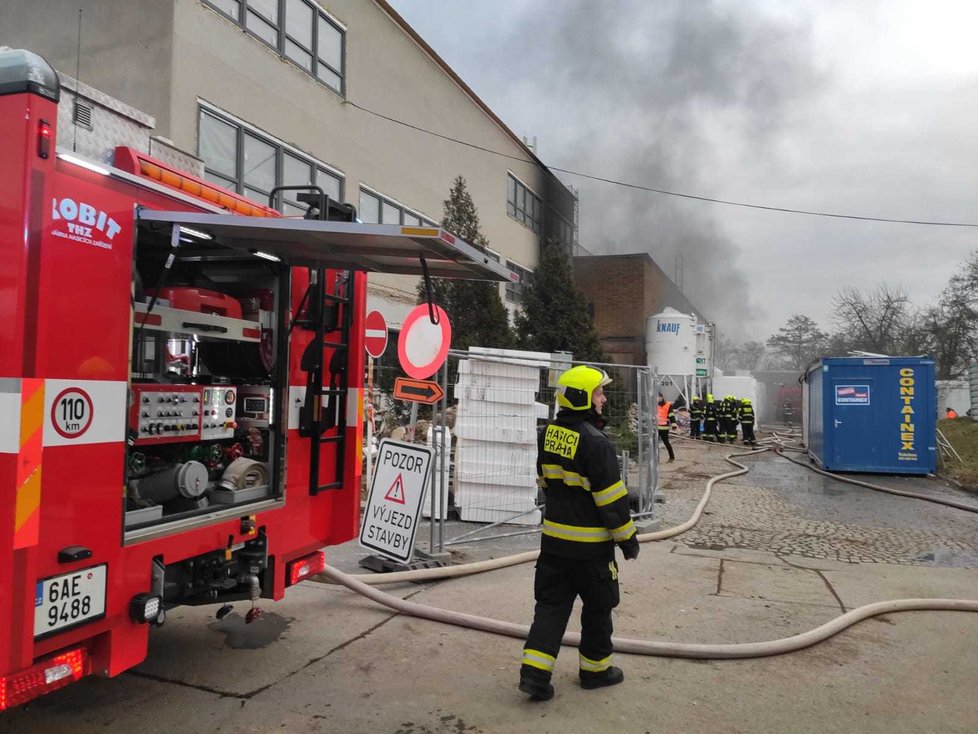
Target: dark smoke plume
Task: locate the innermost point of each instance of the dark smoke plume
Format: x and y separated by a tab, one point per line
654	93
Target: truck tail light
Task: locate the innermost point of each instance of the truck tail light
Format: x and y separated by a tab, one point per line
44	135
44	677
303	568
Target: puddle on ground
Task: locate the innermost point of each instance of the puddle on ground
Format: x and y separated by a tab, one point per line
260	633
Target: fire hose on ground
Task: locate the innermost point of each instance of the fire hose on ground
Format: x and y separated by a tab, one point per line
363	585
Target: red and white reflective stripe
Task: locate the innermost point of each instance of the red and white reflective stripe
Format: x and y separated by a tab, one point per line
27	511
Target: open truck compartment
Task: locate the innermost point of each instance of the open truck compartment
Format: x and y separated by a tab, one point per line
207	383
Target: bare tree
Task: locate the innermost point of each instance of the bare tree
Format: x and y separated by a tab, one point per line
797	343
874	322
724	353
952	325
749	355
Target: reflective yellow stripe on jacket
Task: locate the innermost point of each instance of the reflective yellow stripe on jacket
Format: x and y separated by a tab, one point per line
624	532
609	495
570	478
577	533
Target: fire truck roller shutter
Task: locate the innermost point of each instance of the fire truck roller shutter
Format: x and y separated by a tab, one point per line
340	245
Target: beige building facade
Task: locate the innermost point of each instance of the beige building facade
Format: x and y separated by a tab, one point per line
272	92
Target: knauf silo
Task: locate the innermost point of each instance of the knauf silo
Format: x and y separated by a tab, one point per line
873	414
670	348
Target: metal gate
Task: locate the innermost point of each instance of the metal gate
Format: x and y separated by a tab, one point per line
484	434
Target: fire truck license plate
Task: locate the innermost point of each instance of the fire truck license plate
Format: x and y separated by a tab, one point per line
64	601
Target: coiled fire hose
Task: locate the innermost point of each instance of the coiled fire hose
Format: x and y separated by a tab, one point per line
363	585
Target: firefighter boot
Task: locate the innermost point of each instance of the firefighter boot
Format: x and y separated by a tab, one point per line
610	677
536	683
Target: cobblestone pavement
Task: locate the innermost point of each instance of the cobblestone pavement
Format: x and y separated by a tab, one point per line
788	510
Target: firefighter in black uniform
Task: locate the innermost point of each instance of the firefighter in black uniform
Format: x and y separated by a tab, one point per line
695	417
728	419
587	514
747	422
710	416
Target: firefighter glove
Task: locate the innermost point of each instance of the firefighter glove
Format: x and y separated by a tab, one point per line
630	548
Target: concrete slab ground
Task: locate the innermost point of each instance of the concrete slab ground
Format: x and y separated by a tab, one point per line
324	660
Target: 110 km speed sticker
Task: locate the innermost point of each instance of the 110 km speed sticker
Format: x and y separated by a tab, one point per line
72	412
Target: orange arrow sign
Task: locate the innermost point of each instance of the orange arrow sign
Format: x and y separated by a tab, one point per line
418	391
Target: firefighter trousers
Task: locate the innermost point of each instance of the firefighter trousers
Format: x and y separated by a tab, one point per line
694	427
558	582
748	431
710	429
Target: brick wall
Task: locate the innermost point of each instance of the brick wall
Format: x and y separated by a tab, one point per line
623	291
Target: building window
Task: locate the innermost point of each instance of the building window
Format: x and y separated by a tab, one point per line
298	30
522	204
377	209
514	291
252	163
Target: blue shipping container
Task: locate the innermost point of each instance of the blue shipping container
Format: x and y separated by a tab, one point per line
872	414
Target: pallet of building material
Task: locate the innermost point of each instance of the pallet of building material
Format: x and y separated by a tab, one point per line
484	430
501	504
496	394
531	359
504	454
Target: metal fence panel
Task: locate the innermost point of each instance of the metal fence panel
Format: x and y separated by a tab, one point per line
485	430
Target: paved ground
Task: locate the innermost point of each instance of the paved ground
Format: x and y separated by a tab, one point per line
327	661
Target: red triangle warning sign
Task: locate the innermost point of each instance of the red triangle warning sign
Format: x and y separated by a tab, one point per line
396	492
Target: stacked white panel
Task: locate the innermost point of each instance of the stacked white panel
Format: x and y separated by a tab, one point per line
496	426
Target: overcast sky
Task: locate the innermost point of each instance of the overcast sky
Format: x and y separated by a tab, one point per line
863	107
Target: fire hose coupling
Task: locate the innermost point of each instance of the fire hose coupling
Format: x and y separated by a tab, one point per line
147	608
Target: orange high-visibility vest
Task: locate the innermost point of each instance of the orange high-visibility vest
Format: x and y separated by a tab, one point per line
664	410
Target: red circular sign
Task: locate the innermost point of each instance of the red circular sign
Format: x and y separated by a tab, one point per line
72	412
375	334
423	346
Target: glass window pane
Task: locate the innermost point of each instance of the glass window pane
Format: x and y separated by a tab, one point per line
295	172
259	197
390	214
219	180
259	163
302	58
267	8
329	183
330	46
230	7
328	77
411	220
218	145
510	189
294	210
511	209
261	28
298	22
369	208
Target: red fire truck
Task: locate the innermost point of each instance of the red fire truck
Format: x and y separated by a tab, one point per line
180	389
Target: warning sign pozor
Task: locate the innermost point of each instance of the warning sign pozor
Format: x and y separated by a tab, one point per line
390	521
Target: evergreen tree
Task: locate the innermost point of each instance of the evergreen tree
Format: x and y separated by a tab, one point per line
474	307
555	317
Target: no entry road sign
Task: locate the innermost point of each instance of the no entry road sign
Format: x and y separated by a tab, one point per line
390	522
422	345
375	334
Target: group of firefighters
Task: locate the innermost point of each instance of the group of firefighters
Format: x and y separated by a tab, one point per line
716	420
